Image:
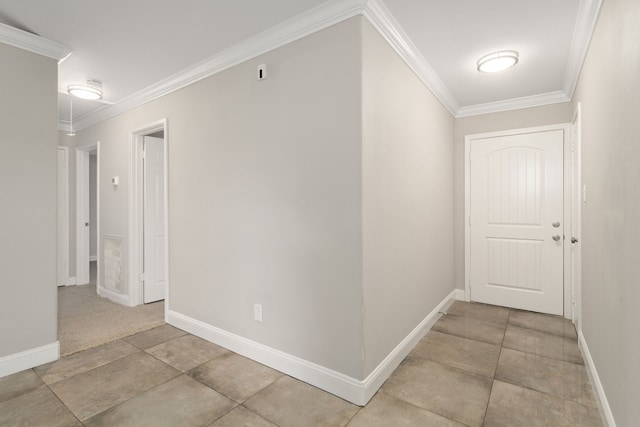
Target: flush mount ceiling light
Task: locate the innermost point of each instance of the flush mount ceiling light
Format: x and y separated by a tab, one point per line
497	61
89	91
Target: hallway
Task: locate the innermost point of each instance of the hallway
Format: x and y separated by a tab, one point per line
86	320
479	365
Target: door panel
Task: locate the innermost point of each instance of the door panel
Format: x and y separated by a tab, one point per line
154	220
516	196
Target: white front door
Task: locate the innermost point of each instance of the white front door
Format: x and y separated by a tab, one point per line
154	220
516	214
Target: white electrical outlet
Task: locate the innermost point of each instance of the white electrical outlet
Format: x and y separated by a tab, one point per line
257	312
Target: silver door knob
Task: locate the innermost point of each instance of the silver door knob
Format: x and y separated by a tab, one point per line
556	238
574	240
556	224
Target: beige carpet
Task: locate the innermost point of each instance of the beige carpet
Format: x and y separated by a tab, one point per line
86	320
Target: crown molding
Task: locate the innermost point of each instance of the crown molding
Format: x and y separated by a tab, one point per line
513	104
32	43
64	126
294	29
381	18
307	23
585	25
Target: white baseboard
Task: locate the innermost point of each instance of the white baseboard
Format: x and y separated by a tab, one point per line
356	391
601	397
459	294
114	296
93	258
384	370
72	281
29	358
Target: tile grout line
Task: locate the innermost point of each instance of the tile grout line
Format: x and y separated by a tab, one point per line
539	391
185	373
138	394
425	409
493	380
547	334
62	402
254	412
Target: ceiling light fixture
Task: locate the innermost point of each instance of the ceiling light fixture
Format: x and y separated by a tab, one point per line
497	61
89	91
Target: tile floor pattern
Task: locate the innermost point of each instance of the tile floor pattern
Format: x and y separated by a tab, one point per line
480	365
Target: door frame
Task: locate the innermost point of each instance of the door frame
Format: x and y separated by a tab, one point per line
136	211
83	247
63	234
575	250
566	128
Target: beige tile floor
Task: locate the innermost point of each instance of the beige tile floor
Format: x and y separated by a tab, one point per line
480	365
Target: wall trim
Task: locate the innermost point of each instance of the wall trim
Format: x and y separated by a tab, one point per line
115	297
384	370
601	397
585	26
341	385
331	13
33	43
72	281
309	22
29	359
383	21
513	104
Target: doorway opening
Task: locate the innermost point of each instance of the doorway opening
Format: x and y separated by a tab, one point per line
148	259
88	215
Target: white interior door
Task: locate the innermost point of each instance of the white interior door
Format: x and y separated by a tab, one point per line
63	217
516	214
154	220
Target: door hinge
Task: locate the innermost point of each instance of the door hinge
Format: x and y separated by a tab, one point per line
469	219
144	153
141	278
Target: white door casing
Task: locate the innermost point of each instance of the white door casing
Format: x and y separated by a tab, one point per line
154	220
576	215
515	212
63	217
82	216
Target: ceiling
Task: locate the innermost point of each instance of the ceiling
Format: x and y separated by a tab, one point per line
144	48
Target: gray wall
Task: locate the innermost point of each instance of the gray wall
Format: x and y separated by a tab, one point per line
407	158
515	119
28	119
265	196
610	95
